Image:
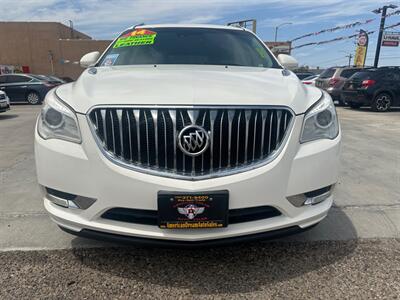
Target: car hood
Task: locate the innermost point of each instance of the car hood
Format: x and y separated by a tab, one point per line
187	85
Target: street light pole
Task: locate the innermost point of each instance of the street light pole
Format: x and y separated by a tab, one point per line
383	11
277	28
71	28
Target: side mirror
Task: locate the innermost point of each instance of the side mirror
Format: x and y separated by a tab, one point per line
89	59
289	62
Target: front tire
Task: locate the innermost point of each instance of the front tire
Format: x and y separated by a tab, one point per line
33	98
341	102
382	102
354	105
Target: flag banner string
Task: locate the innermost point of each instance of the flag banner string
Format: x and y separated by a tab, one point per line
347	26
342	38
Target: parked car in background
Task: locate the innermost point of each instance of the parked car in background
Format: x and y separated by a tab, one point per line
67	79
333	79
310	80
26	87
56	79
4	102
302	75
378	88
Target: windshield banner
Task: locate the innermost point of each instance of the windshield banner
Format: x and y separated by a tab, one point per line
137	37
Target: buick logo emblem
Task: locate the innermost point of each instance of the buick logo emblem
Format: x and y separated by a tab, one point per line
193	140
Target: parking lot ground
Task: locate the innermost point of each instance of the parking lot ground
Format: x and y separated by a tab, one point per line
367	197
368	269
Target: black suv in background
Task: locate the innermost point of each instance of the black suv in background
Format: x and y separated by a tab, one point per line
378	88
333	79
26	87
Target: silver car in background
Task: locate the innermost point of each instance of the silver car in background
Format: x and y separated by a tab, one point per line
4	102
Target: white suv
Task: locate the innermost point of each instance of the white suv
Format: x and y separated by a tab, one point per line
187	134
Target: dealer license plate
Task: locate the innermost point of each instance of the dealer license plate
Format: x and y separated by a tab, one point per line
201	210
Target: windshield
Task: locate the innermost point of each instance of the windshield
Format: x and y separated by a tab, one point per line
328	73
361	76
40	77
311	77
197	46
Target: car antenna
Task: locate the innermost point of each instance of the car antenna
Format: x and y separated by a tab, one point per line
140	24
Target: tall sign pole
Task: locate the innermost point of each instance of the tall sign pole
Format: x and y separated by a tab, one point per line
379	43
383	12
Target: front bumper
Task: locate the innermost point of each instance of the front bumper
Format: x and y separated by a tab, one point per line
82	169
357	96
334	93
4	105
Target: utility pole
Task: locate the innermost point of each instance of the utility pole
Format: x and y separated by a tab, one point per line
383	12
51	57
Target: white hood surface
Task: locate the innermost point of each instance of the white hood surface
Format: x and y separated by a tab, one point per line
187	85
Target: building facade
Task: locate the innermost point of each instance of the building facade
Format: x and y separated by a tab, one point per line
47	48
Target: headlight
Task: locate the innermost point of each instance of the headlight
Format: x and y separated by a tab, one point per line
320	122
58	121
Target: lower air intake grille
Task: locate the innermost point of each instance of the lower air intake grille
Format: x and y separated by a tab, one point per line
149	217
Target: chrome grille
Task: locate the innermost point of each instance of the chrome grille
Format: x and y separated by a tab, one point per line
145	138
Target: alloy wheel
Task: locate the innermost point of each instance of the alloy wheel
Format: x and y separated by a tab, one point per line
383	102
33	98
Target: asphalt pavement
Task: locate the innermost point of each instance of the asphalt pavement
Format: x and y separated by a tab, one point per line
271	270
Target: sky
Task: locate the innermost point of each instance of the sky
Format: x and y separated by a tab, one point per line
104	19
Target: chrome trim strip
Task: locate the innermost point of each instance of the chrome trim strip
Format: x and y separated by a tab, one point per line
130	136
163	113
213	116
264	115
113	128
172	113
154	114
157	172
136	114
247	116
231	114
270	133
121	134
221	123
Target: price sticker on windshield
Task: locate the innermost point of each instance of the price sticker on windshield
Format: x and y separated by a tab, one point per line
137	37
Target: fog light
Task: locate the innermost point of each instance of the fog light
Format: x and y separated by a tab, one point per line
68	200
317	199
311	198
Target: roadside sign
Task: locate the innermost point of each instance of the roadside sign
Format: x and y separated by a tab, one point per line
361	50
391	39
279	47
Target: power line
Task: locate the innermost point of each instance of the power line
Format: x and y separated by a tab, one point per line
347	26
